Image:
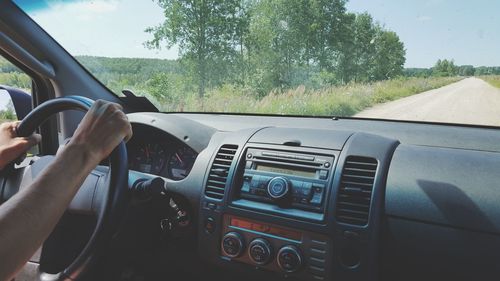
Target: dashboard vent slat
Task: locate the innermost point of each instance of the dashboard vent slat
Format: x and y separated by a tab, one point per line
217	177
355	192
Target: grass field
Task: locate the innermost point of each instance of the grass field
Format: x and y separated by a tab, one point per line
494	80
332	101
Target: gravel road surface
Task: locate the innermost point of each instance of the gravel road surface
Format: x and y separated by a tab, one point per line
468	101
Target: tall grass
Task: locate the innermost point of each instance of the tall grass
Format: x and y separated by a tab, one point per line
494	80
330	101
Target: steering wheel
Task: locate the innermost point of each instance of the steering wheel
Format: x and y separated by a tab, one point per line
114	184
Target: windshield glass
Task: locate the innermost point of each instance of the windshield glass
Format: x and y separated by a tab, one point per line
431	60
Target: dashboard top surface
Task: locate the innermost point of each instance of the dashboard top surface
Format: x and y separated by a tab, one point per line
425	134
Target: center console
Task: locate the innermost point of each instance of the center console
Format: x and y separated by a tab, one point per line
299	204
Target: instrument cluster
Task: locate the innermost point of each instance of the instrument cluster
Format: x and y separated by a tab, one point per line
163	157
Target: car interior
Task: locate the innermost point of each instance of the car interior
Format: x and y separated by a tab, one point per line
220	196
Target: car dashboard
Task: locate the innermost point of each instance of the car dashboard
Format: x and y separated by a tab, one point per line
351	199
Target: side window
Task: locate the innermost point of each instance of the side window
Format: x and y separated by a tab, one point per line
15	94
12	79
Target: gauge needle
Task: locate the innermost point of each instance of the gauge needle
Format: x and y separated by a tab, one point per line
179	158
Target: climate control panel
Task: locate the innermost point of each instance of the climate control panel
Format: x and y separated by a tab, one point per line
275	248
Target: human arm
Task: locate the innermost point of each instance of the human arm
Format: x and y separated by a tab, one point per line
28	217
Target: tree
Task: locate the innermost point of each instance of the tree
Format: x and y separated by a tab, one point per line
204	30
389	55
444	68
466	70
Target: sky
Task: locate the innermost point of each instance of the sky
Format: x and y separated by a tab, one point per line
467	31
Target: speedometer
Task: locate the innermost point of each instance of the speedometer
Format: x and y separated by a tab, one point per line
181	162
149	158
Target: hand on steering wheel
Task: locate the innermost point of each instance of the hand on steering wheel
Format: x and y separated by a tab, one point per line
13	147
101	130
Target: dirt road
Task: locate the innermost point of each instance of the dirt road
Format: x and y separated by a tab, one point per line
469	101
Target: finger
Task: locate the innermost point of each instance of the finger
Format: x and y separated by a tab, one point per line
122	119
9	124
27	142
117	105
96	106
129	134
34	139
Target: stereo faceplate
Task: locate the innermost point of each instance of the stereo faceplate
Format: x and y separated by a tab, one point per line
286	179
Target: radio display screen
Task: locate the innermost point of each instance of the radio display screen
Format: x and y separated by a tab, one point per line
286	170
265	228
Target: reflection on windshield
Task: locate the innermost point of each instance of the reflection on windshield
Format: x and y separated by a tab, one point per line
302	57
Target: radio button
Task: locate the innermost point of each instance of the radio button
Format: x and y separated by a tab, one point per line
306	190
316	199
246	184
260	251
296	188
278	188
323	174
255	181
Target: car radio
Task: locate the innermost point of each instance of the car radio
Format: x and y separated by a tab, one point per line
287	179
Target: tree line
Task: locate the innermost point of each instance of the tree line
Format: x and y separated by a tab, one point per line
445	67
276	44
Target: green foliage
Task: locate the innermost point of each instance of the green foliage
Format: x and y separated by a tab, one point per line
205	32
494	80
8	113
342	100
444	68
15	79
275	45
466	70
6	66
485	70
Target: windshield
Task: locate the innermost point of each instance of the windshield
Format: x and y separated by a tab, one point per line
431	60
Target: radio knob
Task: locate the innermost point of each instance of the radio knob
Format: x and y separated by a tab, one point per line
260	251
289	259
232	244
278	188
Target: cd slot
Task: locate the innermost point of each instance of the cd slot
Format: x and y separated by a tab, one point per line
289	162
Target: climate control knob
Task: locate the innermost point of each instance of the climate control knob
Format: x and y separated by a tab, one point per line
232	244
260	251
289	259
278	188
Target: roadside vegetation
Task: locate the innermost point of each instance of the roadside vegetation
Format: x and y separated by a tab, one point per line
494	80
345	100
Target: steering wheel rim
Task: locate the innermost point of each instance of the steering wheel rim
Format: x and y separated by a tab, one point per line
116	198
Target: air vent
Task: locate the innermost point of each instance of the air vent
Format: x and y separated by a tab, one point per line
217	177
355	193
